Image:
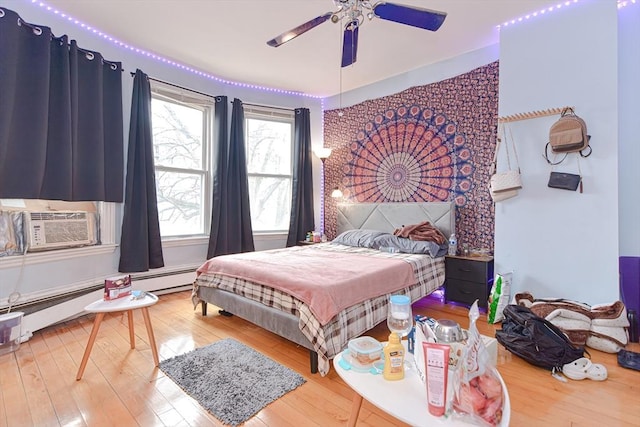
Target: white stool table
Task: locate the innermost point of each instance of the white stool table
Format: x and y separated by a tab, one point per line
101	307
404	399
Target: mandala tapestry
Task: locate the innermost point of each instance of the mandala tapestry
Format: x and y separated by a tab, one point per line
427	143
408	155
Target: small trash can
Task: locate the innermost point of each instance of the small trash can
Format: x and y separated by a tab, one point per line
10	332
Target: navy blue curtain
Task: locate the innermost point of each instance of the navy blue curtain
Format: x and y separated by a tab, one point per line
231	230
61	126
140	244
218	237
302	218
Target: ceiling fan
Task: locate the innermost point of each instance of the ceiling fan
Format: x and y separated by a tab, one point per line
352	13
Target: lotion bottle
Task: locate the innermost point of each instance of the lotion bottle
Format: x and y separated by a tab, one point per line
393	358
436	358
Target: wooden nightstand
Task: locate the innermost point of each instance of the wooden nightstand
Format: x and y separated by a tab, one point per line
468	279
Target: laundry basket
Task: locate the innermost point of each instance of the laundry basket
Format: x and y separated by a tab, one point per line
10	331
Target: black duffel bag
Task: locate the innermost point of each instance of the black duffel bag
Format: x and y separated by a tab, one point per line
535	339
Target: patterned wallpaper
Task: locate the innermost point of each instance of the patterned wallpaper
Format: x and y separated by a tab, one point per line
427	143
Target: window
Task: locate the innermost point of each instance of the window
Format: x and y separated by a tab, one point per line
269	167
181	139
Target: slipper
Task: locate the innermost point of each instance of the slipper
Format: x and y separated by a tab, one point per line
583	368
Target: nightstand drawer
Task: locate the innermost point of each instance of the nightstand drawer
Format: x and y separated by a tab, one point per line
466	292
465	269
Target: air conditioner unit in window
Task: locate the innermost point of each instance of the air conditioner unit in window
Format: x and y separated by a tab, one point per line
53	230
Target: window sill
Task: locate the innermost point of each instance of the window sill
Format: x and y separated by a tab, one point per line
170	242
173	242
55	255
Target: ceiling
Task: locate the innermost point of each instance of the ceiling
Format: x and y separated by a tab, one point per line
227	38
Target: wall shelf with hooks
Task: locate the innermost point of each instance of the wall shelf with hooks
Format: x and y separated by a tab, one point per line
531	115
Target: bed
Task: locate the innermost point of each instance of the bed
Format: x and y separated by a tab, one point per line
298	313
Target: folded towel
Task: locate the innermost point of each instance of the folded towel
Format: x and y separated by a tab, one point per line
616	333
609	340
607	311
610	314
601	326
524	299
542	307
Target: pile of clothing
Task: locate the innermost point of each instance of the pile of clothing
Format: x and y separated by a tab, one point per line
603	326
423	231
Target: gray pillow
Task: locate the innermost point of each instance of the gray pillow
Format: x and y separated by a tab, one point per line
361	238
409	246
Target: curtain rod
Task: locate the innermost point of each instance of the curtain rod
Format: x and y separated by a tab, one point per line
175	85
269	106
212	96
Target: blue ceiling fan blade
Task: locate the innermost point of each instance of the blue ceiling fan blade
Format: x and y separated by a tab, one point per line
300	29
350	44
409	15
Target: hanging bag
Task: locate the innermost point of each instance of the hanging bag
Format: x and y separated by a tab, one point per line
568	135
504	185
564	180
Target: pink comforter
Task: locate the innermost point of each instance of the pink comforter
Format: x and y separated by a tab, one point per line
328	282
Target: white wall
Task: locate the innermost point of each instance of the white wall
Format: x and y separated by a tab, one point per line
419	77
561	243
37	278
629	129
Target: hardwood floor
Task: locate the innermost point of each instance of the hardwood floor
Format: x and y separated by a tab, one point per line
120	386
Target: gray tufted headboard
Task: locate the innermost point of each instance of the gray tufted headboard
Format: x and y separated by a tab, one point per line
389	216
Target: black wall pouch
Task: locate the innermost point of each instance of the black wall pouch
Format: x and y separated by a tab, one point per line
565	181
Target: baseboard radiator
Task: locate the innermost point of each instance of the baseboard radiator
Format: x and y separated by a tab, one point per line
53	309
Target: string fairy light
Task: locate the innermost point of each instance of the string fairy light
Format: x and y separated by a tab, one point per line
538	13
550	9
164	60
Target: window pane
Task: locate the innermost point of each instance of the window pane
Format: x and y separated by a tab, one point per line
180	203
270	203
268	147
177	135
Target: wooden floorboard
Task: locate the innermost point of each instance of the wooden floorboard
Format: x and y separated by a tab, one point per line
121	386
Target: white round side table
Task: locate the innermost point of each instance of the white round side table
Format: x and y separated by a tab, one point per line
101	307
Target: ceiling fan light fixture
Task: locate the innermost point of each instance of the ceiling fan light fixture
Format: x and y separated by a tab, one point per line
354	11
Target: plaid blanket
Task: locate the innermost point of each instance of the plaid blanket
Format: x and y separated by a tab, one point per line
330	339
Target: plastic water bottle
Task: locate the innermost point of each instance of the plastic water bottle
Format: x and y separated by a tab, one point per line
453	244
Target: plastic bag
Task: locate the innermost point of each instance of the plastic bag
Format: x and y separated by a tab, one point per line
478	393
499	297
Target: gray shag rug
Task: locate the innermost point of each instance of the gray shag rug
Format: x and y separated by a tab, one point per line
231	380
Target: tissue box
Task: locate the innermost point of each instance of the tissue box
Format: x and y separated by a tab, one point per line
117	287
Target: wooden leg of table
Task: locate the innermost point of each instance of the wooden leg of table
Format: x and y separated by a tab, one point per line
132	337
92	338
355	410
152	339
